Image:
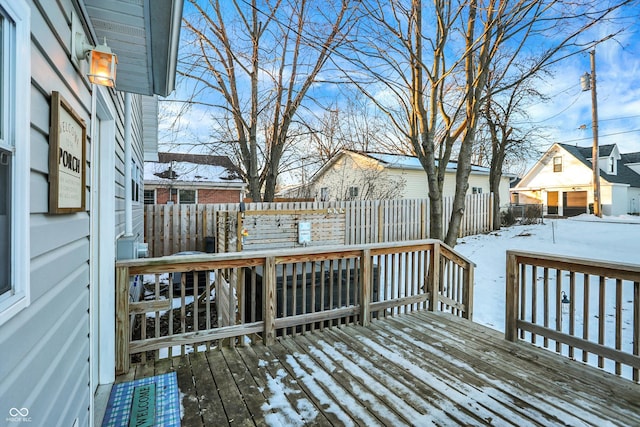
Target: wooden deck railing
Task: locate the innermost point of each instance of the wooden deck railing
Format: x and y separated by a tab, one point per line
584	309
191	303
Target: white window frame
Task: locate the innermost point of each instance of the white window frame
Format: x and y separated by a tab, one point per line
144	199
354	192
136	183
611	166
195	195
16	79
324	194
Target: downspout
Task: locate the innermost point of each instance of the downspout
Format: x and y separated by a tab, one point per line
128	163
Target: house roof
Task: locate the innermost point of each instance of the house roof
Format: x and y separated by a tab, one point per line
625	175
194	168
400	161
144	35
630	158
200	159
604	150
396	161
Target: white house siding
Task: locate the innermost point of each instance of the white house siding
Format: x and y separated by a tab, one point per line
348	171
633	194
616	198
542	179
415	183
344	173
45	347
45	361
574	173
137	134
137	152
610	193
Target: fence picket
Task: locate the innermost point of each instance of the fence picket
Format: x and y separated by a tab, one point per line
175	228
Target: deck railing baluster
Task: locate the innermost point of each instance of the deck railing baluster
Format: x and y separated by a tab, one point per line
406	275
610	346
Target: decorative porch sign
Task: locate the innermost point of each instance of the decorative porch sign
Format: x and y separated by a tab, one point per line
67	164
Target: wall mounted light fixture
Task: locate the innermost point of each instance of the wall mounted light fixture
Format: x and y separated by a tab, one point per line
102	61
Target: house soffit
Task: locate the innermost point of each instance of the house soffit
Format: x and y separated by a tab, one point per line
144	34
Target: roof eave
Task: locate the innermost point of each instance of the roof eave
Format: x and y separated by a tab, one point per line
165	20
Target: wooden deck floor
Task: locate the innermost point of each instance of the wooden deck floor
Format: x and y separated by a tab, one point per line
417	369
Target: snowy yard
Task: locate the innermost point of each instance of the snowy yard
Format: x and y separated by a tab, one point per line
614	239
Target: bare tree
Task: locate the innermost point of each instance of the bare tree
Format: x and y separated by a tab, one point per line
508	132
434	68
254	64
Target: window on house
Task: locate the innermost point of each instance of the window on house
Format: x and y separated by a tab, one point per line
173	196
557	164
187	197
5	220
476	190
135	182
324	194
149	197
612	166
353	192
14	158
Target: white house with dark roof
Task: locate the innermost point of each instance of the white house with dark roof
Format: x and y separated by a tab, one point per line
562	180
354	175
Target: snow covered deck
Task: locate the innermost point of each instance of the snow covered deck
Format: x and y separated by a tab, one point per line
421	368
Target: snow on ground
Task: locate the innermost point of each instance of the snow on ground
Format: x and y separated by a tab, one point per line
614	239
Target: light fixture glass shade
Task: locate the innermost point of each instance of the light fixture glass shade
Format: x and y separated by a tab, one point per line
102	68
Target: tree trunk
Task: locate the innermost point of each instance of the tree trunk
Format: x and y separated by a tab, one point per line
462	184
494	187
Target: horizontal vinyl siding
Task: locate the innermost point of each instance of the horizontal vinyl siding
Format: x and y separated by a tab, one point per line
137	151
45	366
49	353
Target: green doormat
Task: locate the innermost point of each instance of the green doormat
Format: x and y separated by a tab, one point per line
145	402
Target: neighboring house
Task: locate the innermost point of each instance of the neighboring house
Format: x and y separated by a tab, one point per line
71	155
562	180
351	175
192	178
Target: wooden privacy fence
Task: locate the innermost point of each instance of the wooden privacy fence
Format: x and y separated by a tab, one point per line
170	229
584	309
194	302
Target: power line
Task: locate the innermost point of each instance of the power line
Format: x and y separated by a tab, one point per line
619	118
609	134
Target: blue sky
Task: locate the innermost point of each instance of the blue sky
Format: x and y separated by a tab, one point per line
566	117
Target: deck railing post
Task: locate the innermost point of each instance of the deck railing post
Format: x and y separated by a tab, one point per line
365	288
122	320
467	292
511	315
269	292
435	277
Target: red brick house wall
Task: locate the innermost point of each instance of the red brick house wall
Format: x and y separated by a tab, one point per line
218	196
162	196
204	196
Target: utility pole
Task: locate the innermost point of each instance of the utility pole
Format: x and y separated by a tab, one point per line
589	82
